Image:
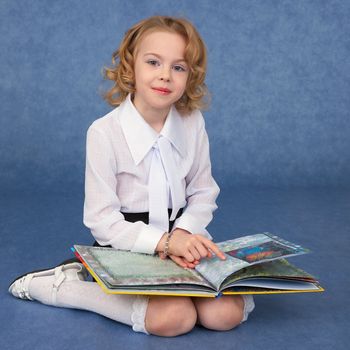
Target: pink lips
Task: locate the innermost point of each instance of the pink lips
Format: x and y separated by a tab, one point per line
163	91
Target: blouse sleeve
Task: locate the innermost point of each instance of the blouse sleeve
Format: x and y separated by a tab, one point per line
201	188
102	206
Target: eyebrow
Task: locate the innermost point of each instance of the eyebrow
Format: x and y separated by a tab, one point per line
158	56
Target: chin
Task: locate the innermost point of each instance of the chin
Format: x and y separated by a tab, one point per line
162	103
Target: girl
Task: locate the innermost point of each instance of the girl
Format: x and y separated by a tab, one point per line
148	185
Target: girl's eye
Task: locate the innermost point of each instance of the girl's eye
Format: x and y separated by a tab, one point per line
153	62
179	68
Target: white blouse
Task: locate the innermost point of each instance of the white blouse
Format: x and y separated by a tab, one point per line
118	159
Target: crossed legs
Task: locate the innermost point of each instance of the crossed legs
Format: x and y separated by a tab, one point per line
163	316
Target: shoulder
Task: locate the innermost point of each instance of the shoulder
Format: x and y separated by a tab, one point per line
103	123
105	132
106	125
194	120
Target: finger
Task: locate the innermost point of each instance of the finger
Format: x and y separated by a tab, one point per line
186	264
162	255
195	253
202	249
190	265
213	247
193	264
181	262
189	257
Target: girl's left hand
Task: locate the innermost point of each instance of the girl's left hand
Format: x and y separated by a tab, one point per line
180	261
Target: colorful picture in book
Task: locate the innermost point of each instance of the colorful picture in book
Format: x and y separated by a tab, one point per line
267	250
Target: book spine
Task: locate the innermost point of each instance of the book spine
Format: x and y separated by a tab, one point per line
78	256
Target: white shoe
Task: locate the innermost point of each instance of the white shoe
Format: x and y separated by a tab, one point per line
19	288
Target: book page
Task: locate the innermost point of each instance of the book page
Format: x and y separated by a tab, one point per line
124	268
246	251
277	269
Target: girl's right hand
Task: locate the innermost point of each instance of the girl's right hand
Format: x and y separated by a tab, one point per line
192	247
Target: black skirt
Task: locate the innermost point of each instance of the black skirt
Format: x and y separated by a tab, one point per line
144	217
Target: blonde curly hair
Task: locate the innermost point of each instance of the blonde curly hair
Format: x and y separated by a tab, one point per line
122	70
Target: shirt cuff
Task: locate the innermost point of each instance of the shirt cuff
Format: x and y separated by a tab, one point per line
188	223
147	240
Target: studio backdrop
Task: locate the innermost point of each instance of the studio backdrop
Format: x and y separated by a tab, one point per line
278	72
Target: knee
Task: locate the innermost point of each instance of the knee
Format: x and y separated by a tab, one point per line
224	315
174	316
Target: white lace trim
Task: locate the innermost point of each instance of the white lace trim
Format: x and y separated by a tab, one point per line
249	306
138	315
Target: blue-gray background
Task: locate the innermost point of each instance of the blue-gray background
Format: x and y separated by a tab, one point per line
279	73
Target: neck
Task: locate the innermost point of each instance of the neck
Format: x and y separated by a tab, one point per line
154	117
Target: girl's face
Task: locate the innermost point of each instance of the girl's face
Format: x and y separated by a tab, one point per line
161	72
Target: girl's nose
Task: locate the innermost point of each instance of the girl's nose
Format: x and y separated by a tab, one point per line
165	74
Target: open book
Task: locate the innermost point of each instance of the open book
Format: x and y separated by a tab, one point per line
254	264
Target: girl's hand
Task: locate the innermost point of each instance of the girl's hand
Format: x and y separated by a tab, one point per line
180	261
191	247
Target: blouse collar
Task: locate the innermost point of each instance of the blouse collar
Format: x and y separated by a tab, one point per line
140	136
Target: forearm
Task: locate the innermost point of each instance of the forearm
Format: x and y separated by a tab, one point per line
112	229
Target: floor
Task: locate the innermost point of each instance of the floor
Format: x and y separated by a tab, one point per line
37	231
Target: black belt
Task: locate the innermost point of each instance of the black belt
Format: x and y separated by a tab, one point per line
131	217
144	217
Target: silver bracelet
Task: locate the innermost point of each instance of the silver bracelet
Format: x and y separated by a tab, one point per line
166	245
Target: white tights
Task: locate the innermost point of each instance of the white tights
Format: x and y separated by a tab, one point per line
89	296
85	295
